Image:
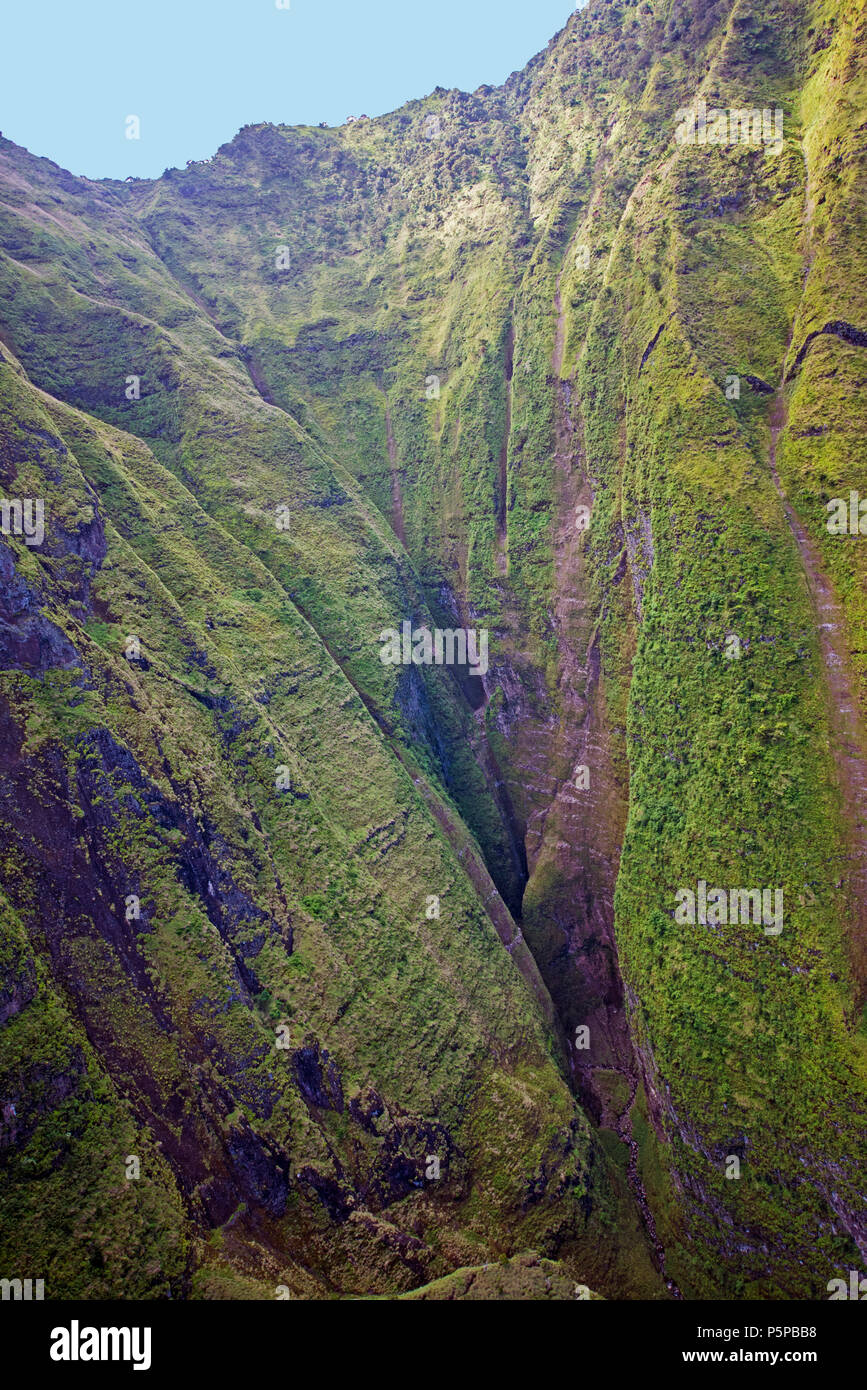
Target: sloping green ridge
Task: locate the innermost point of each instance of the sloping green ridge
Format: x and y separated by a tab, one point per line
401	374
258	906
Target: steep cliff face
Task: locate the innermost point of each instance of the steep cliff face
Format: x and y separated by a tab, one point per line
376	969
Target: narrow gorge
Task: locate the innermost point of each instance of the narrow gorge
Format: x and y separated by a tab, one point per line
375	967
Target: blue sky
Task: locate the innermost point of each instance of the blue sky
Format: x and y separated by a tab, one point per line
195	71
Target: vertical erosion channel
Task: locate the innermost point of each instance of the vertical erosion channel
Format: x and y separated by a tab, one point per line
571	810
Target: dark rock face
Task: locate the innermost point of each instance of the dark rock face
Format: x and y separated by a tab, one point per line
317	1078
28	640
18	986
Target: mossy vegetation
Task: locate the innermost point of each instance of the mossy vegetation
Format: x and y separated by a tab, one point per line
333	380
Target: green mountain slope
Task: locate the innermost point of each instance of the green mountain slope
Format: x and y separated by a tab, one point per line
334	380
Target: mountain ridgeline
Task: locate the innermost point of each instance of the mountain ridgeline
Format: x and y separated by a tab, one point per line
327	975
